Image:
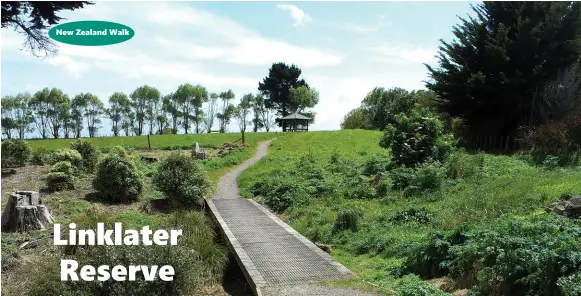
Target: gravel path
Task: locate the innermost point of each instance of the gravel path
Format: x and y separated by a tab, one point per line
227	187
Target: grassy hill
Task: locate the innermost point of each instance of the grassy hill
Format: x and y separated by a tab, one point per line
325	185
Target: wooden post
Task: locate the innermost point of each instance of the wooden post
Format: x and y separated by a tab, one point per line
507	140
148	142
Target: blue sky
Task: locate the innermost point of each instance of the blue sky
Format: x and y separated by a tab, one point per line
344	49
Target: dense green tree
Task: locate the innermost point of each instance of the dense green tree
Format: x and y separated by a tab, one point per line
77	114
187	103
170	108
489	73
16	115
226	110
356	119
241	113
142	102
257	109
200	97
119	107
302	97
277	86
49	107
93	112
32	18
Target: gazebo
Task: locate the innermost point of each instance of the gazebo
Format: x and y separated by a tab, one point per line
296	122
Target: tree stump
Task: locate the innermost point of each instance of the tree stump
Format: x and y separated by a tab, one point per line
25	211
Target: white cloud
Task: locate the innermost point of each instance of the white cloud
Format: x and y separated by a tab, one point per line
401	53
299	16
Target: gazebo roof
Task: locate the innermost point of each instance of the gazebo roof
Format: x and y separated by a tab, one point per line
295	116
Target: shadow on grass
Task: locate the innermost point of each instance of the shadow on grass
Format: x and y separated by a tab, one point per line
95	197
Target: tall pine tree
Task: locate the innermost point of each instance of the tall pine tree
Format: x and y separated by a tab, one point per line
488	75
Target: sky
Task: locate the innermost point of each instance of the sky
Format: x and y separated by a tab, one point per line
344	49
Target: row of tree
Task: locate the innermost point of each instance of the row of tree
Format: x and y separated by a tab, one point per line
191	108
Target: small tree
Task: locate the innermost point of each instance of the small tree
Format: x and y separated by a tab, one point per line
181	178
242	111
15	153
89	153
416	138
118	179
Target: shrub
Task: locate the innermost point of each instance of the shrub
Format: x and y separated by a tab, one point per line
70	155
117	179
425	177
280	191
57	181
412	285
416	138
416	215
181	178
561	138
119	151
63	167
359	190
377	163
461	165
15	153
347	219
89	153
40	156
523	256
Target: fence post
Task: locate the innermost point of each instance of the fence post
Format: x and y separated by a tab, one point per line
148	142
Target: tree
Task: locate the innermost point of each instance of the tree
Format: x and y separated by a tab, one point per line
257	109
186	102
141	101
59	106
17	114
200	97
169	107
212	109
227	109
32	18
78	109
119	107
128	123
41	105
242	111
355	119
277	86
488	75
93	112
302	97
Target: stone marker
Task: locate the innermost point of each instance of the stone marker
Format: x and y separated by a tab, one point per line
198	152
25	211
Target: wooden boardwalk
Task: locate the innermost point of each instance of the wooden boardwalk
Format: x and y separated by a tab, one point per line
275	259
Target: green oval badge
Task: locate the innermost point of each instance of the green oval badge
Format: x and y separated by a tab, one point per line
91	33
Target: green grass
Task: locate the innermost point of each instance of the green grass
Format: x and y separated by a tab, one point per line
157	141
505	185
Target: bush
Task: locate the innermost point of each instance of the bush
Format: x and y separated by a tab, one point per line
561	138
415	215
416	138
70	155
425	177
58	181
89	153
412	285
377	163
117	179
63	167
15	153
119	151
519	256
40	156
460	165
347	220
181	178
